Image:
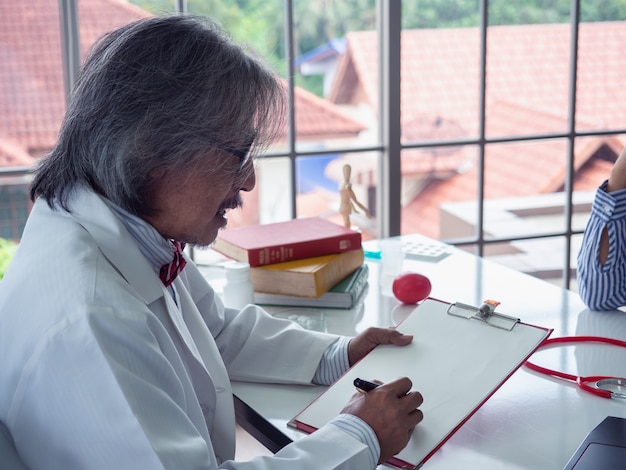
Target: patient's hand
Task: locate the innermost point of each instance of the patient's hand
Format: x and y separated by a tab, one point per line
617	179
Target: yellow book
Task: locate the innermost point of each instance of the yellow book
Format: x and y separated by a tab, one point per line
308	277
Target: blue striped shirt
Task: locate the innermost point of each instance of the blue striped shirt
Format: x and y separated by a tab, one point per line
153	246
603	287
156	249
159	251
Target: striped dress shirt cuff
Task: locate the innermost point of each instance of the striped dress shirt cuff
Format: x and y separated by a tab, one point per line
361	431
334	362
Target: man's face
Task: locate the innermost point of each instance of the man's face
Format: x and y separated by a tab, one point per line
192	207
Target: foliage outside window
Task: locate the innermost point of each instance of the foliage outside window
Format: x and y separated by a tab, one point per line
7	250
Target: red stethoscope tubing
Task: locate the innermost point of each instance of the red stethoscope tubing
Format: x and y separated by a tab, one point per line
585	383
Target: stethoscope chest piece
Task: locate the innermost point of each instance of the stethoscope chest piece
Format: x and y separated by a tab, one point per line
617	386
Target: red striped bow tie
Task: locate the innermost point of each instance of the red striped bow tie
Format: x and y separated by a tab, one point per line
169	271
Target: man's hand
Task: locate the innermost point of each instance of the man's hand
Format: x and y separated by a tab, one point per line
362	344
391	411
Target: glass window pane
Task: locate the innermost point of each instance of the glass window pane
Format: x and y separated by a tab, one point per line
322	187
439	191
542	258
32	96
440	85
259	25
440	70
524	184
273	191
575	248
336	104
527	79
594	157
14	206
600	81
318	191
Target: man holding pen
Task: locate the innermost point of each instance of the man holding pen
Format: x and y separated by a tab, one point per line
115	351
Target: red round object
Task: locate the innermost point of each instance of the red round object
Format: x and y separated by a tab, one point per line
411	288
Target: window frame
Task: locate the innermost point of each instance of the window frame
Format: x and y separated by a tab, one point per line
389	16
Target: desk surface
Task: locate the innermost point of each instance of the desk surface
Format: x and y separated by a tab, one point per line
531	422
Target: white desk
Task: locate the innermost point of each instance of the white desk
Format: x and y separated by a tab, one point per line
531	422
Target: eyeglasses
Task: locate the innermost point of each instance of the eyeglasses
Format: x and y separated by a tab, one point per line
242	152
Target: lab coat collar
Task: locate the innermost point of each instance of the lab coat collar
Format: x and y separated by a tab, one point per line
90	211
109	232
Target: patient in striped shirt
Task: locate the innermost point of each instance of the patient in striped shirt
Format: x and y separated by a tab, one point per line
602	257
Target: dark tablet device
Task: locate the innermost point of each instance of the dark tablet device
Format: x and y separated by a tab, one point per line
603	448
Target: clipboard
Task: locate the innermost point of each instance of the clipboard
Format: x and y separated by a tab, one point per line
459	357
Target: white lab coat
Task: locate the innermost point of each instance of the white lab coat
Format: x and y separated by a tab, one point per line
99	369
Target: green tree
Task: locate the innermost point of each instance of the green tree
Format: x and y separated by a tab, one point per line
598	10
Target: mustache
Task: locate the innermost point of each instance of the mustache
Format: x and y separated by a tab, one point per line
234	202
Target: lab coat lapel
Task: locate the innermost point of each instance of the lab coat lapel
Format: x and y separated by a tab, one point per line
209	374
223	414
174	312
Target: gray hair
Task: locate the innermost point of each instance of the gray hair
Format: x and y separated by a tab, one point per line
160	95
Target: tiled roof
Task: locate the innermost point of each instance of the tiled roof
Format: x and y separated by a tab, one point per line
527	93
527	65
318	119
32	96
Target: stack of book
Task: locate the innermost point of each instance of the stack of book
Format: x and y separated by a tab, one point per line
304	262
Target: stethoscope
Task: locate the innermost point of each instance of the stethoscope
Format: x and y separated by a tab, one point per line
602	386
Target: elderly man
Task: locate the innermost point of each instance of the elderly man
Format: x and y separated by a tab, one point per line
115	353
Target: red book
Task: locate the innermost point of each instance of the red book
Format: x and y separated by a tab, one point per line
260	245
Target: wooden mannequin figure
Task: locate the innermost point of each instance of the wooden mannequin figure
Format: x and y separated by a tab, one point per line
348	198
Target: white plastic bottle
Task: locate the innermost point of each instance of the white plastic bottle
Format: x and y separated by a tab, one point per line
238	290
391	258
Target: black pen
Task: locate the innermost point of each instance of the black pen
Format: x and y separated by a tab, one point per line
364	385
